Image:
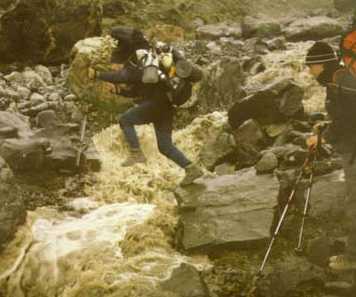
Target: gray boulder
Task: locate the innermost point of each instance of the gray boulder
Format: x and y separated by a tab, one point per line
44	31
275	103
227	210
328	195
313	28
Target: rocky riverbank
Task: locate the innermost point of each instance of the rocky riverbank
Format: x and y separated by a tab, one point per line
95	228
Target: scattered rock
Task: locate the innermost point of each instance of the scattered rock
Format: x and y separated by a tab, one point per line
313	28
274	103
267	164
259	27
250	133
216	31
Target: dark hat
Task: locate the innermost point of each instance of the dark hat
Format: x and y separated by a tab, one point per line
320	53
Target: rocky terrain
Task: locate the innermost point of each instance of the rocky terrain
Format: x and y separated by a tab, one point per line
74	222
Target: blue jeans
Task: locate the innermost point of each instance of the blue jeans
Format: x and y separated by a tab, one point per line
161	115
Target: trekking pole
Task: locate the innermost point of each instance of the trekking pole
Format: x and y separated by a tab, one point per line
315	153
81	141
259	274
299	249
280	222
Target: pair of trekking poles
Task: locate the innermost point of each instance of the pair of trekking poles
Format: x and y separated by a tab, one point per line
307	167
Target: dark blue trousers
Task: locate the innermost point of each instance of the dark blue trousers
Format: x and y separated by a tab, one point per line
161	114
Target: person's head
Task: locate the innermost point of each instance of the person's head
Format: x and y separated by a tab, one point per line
322	62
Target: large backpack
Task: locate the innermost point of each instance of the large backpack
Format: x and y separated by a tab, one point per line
348	51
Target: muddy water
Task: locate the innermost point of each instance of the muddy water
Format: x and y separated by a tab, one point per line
117	242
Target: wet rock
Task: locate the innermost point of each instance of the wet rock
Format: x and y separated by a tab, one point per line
217	149
274	103
38	31
186	281
12	205
252	26
290	277
313	28
226	210
267	164
94	52
216	31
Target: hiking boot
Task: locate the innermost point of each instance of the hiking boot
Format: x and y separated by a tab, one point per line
135	156
342	263
192	172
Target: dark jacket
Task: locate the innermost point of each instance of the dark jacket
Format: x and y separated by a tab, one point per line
341	107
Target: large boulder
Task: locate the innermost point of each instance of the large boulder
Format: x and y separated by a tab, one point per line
278	101
34	152
44	31
314	28
227	210
95	52
12	205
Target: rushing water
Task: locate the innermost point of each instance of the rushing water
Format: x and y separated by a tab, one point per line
117	243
